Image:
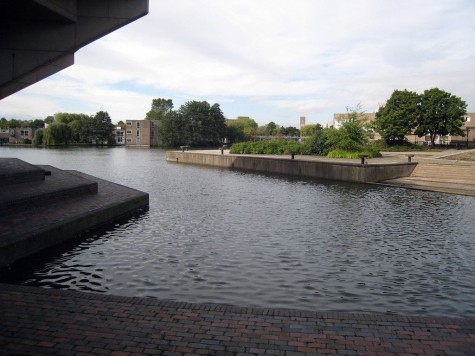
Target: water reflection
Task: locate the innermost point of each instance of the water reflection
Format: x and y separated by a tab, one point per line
251	239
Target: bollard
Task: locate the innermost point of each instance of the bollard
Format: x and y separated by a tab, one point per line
409	158
293	155
362	157
222	150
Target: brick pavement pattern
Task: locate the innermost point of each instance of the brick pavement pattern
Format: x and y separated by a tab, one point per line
45	321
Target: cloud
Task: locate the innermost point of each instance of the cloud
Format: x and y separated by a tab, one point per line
276	58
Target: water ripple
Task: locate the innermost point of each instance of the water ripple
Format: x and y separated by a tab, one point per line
257	240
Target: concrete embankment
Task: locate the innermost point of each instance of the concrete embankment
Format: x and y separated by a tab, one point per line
349	171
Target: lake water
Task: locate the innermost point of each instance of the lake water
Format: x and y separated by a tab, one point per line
223	236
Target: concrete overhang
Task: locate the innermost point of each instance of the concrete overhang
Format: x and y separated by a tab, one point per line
39	37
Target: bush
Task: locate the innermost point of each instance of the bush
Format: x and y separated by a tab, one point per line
402	146
277	147
338	153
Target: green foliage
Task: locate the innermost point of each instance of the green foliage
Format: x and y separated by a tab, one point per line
278	147
102	127
242	129
351	136
338	153
398	117
289	131
12	123
49	120
441	113
317	144
38	138
57	133
310	130
196	123
160	108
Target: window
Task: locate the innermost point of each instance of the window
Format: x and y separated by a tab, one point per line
120	133
129	123
129	140
120	139
24	133
138	124
129	132
138	132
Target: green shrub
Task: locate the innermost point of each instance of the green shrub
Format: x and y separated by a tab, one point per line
402	146
276	147
338	153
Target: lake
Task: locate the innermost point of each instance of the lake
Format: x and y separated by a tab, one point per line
249	239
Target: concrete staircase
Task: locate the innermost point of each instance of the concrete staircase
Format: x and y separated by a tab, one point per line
440	175
43	206
445	171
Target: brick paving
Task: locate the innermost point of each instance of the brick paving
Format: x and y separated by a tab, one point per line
45	321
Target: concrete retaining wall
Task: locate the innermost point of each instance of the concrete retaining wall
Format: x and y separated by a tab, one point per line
349	172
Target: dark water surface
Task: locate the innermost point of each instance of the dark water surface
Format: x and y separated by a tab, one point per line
247	239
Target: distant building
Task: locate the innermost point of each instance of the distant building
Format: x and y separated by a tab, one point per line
16	135
302	122
119	135
142	133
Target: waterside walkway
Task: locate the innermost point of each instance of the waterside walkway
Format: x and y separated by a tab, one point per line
44	321
449	171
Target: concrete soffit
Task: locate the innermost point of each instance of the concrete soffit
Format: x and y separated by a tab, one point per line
39	37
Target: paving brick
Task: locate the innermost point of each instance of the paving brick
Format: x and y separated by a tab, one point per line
38	321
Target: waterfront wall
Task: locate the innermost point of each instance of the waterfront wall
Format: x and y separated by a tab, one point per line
349	172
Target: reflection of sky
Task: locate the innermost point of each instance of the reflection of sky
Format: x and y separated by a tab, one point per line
272	60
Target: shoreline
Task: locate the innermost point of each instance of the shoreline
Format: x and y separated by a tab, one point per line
430	171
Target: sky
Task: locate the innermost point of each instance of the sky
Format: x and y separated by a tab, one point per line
271	60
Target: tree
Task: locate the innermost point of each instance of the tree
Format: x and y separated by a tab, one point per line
441	113
38	138
289	131
160	107
102	127
310	130
318	141
36	124
49	119
4	123
12	123
172	130
56	133
352	134
242	129
204	124
398	117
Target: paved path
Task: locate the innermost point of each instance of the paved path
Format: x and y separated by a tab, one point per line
44	321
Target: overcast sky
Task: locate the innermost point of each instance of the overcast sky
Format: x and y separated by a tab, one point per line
272	60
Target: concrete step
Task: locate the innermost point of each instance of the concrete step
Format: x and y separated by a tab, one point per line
14	171
60	185
441	171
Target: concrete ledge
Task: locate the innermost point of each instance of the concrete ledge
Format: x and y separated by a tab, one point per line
332	170
26	232
14	171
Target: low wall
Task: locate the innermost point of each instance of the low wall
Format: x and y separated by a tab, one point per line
349	172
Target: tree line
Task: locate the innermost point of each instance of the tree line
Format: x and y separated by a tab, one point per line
434	112
65	128
199	124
